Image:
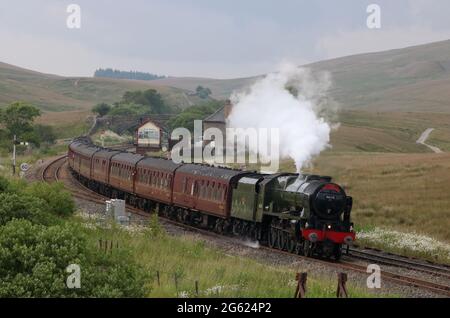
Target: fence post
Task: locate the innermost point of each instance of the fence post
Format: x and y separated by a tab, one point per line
300	291
157	277
111	247
100	243
342	289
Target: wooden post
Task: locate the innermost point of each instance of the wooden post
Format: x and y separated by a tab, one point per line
100	243
300	291
111	247
341	288
106	246
157	277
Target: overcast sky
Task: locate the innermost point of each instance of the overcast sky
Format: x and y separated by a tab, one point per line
209	38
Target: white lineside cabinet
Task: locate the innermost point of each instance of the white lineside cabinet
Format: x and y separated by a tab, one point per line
116	209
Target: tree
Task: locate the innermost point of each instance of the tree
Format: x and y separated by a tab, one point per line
101	109
140	103
133	75
18	118
203	92
186	118
45	134
150	98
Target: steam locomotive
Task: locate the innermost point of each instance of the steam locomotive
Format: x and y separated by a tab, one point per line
304	214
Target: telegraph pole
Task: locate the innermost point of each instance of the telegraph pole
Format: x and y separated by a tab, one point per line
14	155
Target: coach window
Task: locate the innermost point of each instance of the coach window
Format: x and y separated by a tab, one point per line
208	191
184	185
202	189
214	198
219	192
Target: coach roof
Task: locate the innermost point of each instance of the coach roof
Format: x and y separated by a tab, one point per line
127	158
210	171
84	149
158	164
106	153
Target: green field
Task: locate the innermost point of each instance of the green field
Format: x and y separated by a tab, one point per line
59	94
218	274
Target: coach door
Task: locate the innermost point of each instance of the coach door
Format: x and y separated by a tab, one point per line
189	192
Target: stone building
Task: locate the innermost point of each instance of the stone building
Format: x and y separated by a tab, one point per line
218	119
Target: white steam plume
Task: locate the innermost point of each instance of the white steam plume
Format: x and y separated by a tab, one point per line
292	100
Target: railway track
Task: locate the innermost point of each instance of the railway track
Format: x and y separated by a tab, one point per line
402	262
51	173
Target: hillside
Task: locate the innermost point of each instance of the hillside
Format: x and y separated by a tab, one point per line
221	88
56	93
410	79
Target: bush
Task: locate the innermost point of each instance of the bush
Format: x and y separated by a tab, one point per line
12	185
59	201
34	258
15	206
4	184
101	109
186	117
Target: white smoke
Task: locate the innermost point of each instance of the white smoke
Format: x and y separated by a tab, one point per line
294	101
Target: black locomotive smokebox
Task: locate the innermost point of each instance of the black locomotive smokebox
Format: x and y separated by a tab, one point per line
330	201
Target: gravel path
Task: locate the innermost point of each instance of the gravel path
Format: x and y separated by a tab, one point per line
423	139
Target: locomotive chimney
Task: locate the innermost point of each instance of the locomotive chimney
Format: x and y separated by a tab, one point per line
227	108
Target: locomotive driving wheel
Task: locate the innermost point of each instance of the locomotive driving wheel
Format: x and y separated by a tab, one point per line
291	244
273	237
307	248
237	227
282	240
337	252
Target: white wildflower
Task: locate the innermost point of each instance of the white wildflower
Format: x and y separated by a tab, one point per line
407	241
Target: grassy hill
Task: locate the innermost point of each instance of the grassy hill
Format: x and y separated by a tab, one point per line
410	79
56	93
